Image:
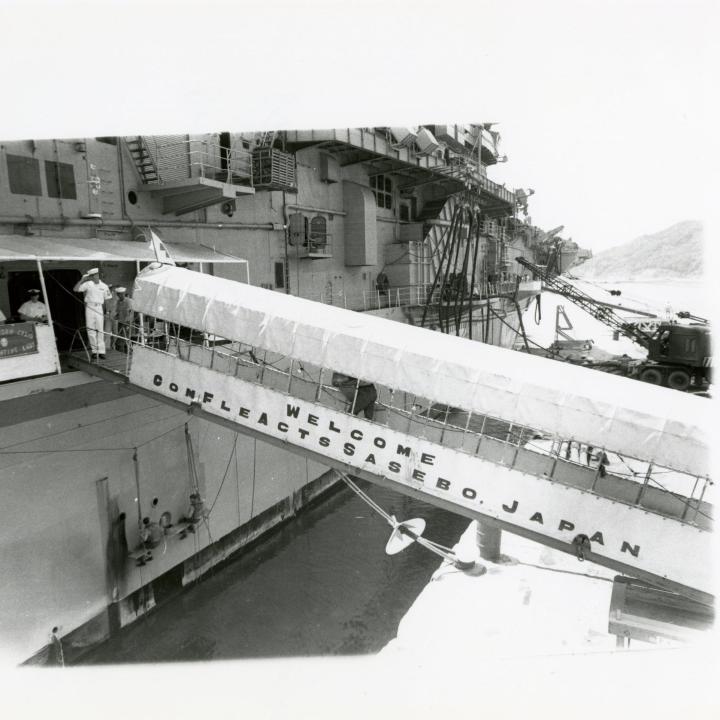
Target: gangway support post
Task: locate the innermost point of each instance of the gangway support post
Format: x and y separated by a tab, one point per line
488	539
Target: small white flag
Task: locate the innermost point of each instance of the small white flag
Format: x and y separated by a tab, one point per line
161	252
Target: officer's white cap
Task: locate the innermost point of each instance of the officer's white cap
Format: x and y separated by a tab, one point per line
121	289
93	271
34	291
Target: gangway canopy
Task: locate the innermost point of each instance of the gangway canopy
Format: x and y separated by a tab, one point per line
15	247
570	402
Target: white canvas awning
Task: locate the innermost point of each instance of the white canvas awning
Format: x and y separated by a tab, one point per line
35	247
623	415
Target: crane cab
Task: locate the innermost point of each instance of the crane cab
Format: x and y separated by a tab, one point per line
680	355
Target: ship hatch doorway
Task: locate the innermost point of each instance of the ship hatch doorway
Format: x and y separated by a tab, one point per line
65	306
224	150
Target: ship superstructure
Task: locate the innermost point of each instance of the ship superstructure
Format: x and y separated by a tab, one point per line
358	218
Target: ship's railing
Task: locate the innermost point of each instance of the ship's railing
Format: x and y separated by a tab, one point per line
465	166
407	296
372	299
494	188
492	229
500	287
638	483
183	159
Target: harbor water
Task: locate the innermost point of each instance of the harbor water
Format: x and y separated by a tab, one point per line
320	585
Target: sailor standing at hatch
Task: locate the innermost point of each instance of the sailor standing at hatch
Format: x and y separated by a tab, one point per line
96	293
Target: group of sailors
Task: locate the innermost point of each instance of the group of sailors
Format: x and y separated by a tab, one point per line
108	312
593	456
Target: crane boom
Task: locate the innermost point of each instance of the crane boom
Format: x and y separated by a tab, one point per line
634	311
599	310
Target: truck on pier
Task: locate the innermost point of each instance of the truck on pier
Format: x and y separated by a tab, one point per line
678	356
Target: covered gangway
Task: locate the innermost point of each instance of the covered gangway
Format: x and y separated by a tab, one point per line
569	402
266	367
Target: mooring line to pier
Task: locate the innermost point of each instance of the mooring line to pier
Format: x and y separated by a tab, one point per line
404	529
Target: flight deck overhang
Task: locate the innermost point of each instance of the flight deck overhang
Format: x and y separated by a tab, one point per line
351	146
46	248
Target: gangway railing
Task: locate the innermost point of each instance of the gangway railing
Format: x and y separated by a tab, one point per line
505	467
514	445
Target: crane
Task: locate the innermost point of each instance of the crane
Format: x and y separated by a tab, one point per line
679	356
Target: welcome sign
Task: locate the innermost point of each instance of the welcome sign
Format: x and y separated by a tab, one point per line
624	533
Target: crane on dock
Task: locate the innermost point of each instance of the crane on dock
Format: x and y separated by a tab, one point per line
678	356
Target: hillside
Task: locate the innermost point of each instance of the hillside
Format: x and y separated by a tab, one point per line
673	254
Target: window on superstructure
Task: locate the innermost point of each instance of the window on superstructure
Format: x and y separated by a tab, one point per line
382	188
60	178
318	230
24	175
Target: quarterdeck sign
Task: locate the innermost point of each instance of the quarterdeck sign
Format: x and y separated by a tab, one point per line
18	339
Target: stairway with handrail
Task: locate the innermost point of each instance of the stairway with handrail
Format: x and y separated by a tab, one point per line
189	174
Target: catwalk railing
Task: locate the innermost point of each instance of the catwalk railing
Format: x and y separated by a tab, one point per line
407	296
180	160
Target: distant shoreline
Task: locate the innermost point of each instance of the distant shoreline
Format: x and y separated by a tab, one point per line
655	280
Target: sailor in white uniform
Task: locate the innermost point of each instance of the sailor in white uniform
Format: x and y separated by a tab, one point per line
33	310
96	292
